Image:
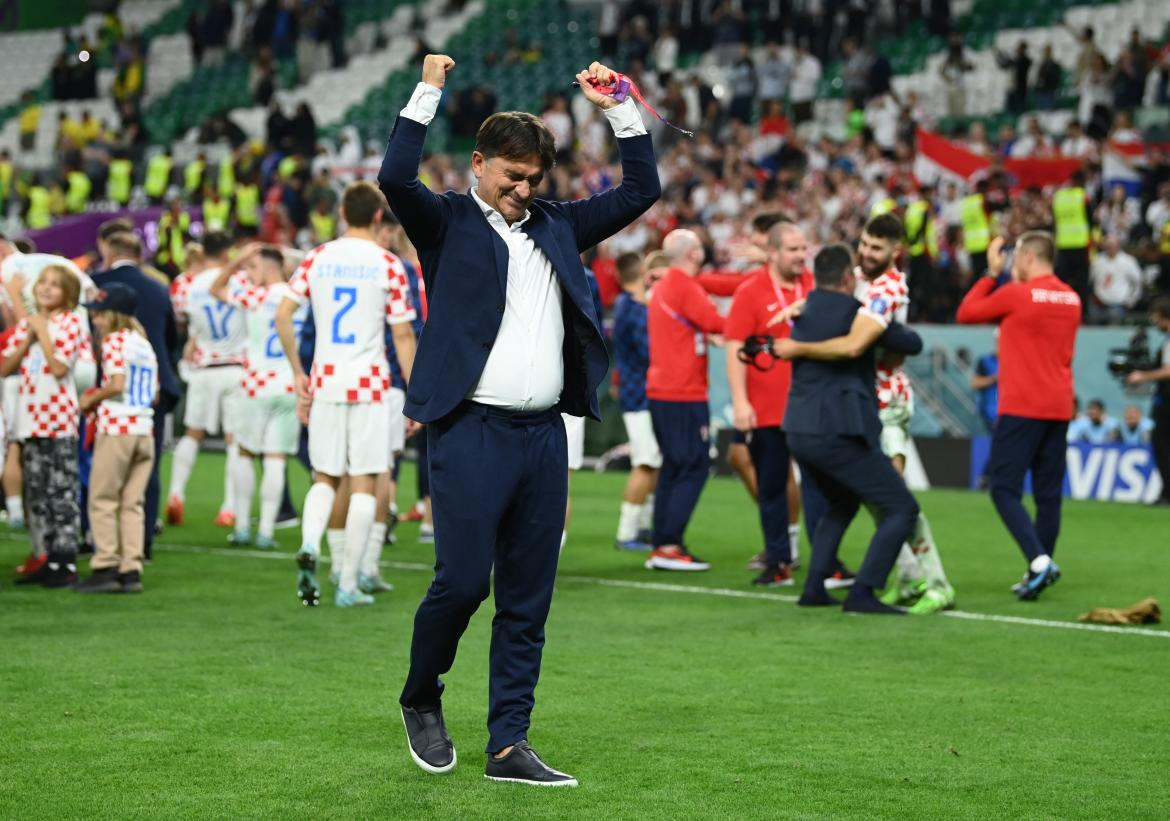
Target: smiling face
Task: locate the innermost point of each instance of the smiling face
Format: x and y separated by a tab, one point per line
50	291
875	255
507	185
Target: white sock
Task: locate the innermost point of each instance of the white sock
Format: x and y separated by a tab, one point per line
794	541
628	522
1040	563
182	461
233	453
271	488
373	552
243	486
646	519
335	541
926	551
358	520
907	568
15	505
420	508
318	505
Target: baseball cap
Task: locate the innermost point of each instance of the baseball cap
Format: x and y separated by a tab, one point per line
114	297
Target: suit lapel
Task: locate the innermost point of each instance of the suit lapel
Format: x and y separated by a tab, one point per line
539	228
499	249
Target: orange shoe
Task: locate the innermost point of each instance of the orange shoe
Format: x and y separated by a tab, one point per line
225	519
412	515
674	557
32	564
174	511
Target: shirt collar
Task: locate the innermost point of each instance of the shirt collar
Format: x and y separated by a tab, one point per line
123	263
494	216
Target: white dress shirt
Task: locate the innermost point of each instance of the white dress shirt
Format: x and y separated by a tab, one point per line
525	369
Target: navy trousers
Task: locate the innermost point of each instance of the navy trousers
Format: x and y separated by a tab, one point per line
1020	445
769	450
499	486
681	429
166	404
849	471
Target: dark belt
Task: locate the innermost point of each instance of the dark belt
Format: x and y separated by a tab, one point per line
220	365
515	417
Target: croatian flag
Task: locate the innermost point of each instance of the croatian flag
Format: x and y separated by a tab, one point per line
939	159
1121	164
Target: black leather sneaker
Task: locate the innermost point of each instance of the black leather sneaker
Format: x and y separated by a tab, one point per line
523	766
100	581
427	738
130	582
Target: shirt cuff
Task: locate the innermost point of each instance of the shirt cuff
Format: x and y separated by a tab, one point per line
424	102
625	119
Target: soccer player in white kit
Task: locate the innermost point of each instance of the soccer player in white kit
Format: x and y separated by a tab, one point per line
267	425
355	288
219	341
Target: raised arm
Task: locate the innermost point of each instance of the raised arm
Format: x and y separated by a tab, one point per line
423	213
863	333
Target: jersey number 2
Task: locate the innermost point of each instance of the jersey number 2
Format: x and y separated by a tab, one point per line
348	298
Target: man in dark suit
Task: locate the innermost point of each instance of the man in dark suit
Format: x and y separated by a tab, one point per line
123	254
512	340
834	431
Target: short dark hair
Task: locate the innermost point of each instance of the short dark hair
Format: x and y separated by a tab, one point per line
1100	403
516	135
1039	243
763	223
1161	306
831	264
118	225
885	226
124	244
629	267
389	217
360	203
216	244
272	254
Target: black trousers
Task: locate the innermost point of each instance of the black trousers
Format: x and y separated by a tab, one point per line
499	486
1072	266
769	450
850	471
681	429
1160	444
1020	445
166	404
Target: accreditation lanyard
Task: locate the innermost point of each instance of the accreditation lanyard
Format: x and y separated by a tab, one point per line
700	336
798	289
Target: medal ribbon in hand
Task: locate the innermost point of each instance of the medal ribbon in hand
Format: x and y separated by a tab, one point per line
621	88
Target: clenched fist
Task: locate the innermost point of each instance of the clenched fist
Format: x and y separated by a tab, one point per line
601	75
435	68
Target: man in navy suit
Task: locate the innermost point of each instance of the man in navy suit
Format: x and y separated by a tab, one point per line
123	255
512	340
834	430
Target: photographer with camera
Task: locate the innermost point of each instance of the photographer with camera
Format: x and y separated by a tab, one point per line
1160	412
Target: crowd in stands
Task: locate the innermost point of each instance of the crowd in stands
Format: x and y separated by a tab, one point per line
756	145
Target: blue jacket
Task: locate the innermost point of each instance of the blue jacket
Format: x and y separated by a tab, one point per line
157	316
838	397
631	352
465	268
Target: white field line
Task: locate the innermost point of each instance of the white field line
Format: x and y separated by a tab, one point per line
723	592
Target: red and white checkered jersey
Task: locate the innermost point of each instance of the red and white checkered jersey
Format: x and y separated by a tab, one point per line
355	287
29	267
48	406
217	328
180	285
887	299
128	353
268	370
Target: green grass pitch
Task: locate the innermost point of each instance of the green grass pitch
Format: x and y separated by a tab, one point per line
216	694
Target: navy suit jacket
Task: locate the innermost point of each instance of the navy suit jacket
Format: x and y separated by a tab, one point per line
465	268
157	316
837	396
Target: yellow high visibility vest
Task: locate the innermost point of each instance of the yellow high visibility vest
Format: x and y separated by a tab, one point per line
227	177
916	219
193	176
6	172
883	207
324	226
248	205
1164	245
40	209
976	227
1072	219
216	214
171	238
77	196
158	175
287	167
120	181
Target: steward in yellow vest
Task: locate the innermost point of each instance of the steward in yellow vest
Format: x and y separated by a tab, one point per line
40	208
248	207
217	211
193	178
78	191
174	228
158	176
120	180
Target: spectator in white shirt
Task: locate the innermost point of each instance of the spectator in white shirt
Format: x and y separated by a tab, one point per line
665	55
773	74
1076	143
881	115
806	76
1158	212
1119	214
1033	143
1116	278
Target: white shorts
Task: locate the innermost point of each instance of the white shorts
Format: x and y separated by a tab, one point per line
575	434
213	399
11	403
268	425
349	440
397	423
644	450
895	430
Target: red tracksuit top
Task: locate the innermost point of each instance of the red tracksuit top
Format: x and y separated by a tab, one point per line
679	317
1038	323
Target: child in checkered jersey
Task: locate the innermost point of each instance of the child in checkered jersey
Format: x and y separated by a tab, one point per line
123	452
44	348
